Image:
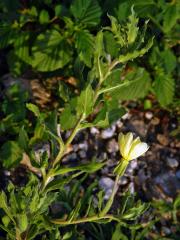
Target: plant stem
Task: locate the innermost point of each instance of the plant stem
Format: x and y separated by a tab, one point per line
111	199
69	140
83	220
102	78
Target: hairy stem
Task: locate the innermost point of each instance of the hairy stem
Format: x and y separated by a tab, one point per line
84	220
111	199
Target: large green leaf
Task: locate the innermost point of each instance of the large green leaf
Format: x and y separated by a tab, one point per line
135	85
163	59
84	44
50	51
164	88
86	12
21	47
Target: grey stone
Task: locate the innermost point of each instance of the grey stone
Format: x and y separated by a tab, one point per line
178	174
119	124
148	115
70	157
133	164
7	173
109	132
106	184
166	230
123	180
39	149
131	188
94	131
172	162
126	116
83	146
76	147
112	146
169	183
82	154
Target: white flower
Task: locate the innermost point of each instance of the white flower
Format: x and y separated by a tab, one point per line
129	148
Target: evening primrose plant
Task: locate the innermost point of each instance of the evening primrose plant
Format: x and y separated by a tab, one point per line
51	205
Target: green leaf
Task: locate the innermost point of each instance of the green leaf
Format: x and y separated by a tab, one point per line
170	17
21	47
108	115
110	44
135	211
123	10
68	118
50	51
6	220
39	134
136	53
135	85
33	108
59	183
116	29
84	44
176	203
88	168
87	12
22	221
10	154
75	212
99	46
4	205
58	10
132	29
10	232
43	17
118	235
85	101
163	59
7	36
67	235
16	65
101	119
164	88
23	139
115	114
169	60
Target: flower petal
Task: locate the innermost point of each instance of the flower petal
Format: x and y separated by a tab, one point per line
138	150
128	139
121	142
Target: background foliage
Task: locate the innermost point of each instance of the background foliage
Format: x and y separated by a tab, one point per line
58	37
103	45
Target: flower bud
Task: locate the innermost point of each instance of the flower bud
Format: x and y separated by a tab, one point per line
129	148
